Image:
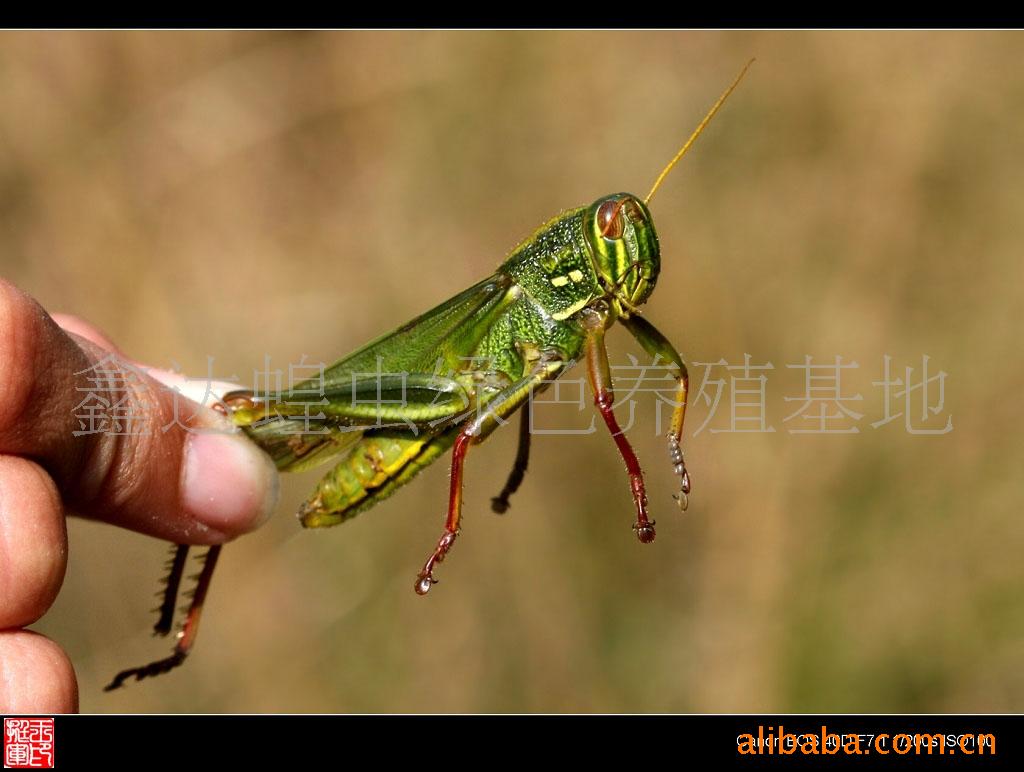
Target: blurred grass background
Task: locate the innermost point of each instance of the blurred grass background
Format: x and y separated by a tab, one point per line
240	194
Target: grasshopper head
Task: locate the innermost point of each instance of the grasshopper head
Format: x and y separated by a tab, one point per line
625	246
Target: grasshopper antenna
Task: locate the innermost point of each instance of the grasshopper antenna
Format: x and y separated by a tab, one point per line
697	132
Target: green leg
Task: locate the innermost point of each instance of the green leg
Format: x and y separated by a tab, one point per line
657	345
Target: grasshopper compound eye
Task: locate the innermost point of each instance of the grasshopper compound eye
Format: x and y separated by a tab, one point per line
609	218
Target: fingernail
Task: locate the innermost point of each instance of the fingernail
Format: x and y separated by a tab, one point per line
228	483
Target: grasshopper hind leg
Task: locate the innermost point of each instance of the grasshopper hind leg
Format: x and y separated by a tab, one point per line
176	569
188	632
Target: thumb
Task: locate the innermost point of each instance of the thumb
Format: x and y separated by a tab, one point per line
122	446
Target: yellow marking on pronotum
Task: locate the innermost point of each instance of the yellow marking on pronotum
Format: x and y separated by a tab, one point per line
559	281
576	275
697	132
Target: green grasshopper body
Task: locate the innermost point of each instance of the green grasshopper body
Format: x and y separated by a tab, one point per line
515	331
501	340
447	379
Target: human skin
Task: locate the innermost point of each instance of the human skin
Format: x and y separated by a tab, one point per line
198	482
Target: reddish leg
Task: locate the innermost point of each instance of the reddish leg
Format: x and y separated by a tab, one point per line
476	430
451	527
186	637
604	397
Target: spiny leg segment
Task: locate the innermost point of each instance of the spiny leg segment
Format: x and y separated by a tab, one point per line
187	634
190	627
176	569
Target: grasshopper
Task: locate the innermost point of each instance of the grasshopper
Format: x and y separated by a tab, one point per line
503	339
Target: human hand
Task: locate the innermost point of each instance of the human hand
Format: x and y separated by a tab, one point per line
185	487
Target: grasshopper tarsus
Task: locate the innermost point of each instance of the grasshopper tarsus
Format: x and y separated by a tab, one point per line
500	504
423	584
645	532
425	579
678	460
683	497
159	667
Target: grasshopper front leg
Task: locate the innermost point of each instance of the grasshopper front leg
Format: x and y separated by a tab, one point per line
600	377
657	345
474	431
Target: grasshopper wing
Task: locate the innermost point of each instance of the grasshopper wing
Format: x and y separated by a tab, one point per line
442	336
402	370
